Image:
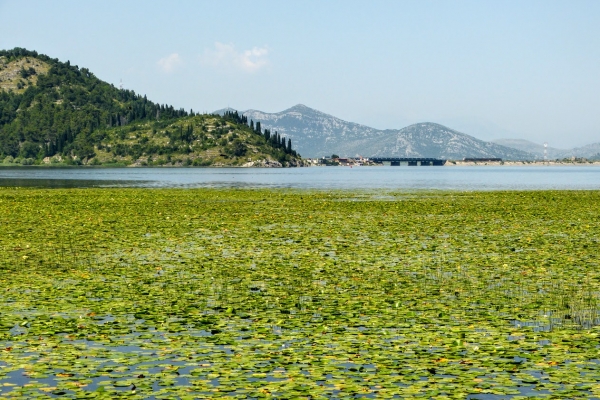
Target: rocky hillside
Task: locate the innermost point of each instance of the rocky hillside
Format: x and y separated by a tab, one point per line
18	74
317	134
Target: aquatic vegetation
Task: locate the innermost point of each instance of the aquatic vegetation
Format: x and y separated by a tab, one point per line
295	294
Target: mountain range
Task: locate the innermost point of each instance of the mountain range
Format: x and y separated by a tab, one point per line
317	134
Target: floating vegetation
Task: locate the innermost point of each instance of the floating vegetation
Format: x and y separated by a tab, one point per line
143	293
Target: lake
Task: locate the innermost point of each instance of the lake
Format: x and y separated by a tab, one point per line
320	178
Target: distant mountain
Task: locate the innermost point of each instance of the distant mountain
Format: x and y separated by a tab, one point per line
222	111
591	151
531	147
434	140
316	134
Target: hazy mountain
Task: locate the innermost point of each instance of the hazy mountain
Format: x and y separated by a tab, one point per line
316	134
531	147
590	151
222	111
434	140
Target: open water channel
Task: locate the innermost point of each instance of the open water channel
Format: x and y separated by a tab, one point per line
320	178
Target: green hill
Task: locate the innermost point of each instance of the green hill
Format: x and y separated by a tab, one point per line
52	112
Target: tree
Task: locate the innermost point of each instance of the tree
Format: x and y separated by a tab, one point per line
239	148
289	146
29	150
83	150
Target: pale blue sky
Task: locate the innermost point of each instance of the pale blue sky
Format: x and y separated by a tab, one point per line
525	69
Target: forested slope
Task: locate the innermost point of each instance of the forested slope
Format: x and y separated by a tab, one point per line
54	110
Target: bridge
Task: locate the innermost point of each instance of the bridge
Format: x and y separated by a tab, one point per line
412	162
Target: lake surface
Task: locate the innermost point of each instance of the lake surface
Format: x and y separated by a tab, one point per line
386	177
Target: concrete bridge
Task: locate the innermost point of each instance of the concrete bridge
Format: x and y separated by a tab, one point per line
397	161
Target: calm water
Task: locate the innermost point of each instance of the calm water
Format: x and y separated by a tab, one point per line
446	178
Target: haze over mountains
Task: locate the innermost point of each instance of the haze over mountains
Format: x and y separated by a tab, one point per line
317	134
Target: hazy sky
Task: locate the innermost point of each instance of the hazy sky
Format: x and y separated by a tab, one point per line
524	69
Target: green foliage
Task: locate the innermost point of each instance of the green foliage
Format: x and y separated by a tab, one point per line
237	148
25	73
237	118
66	105
30	150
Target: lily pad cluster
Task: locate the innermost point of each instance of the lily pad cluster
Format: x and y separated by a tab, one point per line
139	293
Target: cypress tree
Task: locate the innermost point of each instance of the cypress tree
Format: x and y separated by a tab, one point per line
252	124
289	146
258	128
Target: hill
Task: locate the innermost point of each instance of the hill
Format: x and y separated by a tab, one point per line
196	140
52	110
317	134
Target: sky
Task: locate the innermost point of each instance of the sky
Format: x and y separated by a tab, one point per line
491	69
